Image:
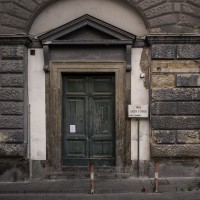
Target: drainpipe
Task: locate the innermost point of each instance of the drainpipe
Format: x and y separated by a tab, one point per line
29	143
155	189
138	150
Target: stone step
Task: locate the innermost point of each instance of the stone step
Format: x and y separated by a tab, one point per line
86	175
86	169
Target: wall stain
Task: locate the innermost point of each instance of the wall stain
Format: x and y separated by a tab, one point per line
145	64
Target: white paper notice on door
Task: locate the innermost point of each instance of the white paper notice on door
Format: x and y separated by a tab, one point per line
72	128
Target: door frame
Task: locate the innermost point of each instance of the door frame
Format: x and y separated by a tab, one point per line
54	108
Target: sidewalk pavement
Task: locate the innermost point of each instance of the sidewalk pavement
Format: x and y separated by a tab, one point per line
120	196
104	186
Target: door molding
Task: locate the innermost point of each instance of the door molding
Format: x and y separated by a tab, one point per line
54	107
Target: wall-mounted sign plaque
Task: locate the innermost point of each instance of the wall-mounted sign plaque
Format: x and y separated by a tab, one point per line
138	111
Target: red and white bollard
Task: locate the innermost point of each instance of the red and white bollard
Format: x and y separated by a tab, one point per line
155	176
91	178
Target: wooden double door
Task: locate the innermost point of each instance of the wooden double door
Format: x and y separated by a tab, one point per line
88	123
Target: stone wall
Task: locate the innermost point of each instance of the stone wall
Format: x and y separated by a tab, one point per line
13	154
175	95
161	16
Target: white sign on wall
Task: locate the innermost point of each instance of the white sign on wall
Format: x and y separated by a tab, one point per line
72	128
138	111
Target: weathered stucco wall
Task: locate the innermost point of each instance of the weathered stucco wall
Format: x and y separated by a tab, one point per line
140	96
36	96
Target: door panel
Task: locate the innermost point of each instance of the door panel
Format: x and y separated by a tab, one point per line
76	115
102	115
76	86
102	128
103	85
88	120
74	128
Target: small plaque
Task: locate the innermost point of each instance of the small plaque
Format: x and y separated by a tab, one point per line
72	128
138	111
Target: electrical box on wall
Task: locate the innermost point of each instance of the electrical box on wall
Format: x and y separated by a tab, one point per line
138	111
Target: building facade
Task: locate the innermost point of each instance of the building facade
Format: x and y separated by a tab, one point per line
69	69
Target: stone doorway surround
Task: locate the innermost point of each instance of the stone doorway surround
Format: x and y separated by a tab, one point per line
54	107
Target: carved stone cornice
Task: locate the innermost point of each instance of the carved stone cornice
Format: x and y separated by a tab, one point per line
173	39
15	40
174	47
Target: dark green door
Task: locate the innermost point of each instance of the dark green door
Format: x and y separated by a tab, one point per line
88	120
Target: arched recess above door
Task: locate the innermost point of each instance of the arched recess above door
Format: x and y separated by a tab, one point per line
116	12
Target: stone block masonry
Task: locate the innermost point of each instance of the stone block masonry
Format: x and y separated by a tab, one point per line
175	96
175	109
12	103
11	88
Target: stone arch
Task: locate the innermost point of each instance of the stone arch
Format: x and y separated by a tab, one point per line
46	3
162	16
113	12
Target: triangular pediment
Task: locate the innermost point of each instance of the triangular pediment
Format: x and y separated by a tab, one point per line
86	33
86	28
